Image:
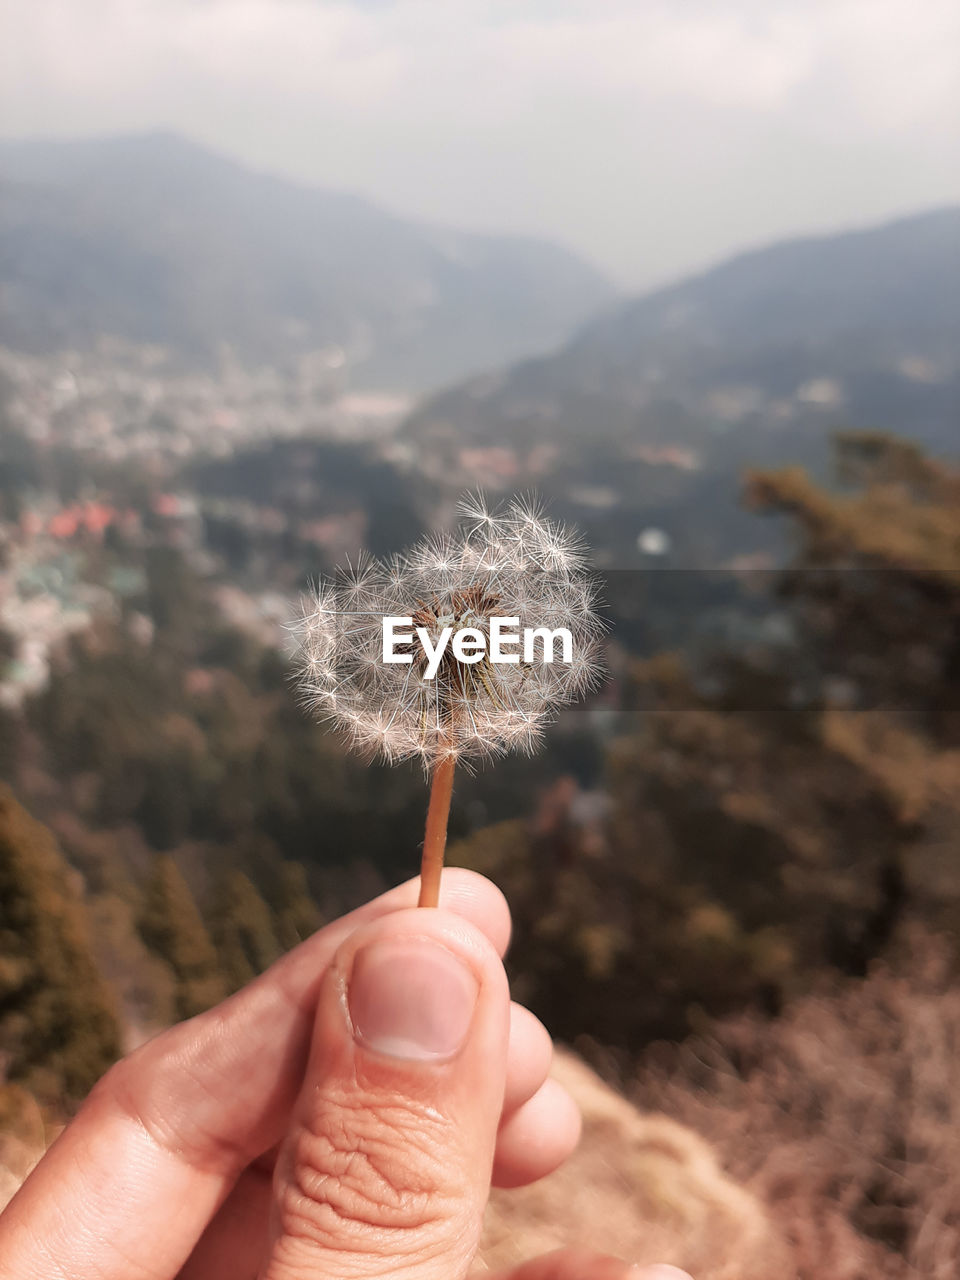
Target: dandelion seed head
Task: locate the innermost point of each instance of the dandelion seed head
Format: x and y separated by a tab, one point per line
509	563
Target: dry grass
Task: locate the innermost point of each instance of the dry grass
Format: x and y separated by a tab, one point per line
824	1145
842	1117
642	1187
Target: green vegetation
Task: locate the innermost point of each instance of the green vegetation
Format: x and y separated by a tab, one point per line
778	812
172	927
58	1026
764	815
243	931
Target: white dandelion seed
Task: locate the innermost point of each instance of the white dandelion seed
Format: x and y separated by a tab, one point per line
510	563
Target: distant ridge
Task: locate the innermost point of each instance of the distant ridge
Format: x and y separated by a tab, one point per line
861	308
652	411
899	278
155	239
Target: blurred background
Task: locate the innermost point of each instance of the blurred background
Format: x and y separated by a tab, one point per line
279	279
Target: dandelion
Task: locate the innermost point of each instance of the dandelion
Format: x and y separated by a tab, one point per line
471	672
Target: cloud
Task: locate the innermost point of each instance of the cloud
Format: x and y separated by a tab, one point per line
603	122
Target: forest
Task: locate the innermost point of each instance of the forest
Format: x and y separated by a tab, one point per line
736	847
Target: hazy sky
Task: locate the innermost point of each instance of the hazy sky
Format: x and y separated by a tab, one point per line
652	135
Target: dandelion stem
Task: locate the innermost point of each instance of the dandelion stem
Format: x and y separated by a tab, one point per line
435	837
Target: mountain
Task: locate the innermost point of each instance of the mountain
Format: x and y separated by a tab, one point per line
653	409
895	283
154	239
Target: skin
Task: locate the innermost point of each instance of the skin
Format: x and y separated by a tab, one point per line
273	1138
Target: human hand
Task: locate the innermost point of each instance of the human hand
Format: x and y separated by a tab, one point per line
342	1116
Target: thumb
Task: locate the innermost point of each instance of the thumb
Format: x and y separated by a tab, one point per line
386	1168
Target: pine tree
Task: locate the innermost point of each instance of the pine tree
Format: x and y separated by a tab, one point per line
243	930
876	579
58	1027
296	916
172	927
808	786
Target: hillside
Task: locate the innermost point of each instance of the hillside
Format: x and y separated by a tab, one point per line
653	409
154	239
892	288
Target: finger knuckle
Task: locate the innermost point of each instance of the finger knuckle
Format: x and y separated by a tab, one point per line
168	1100
367	1178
